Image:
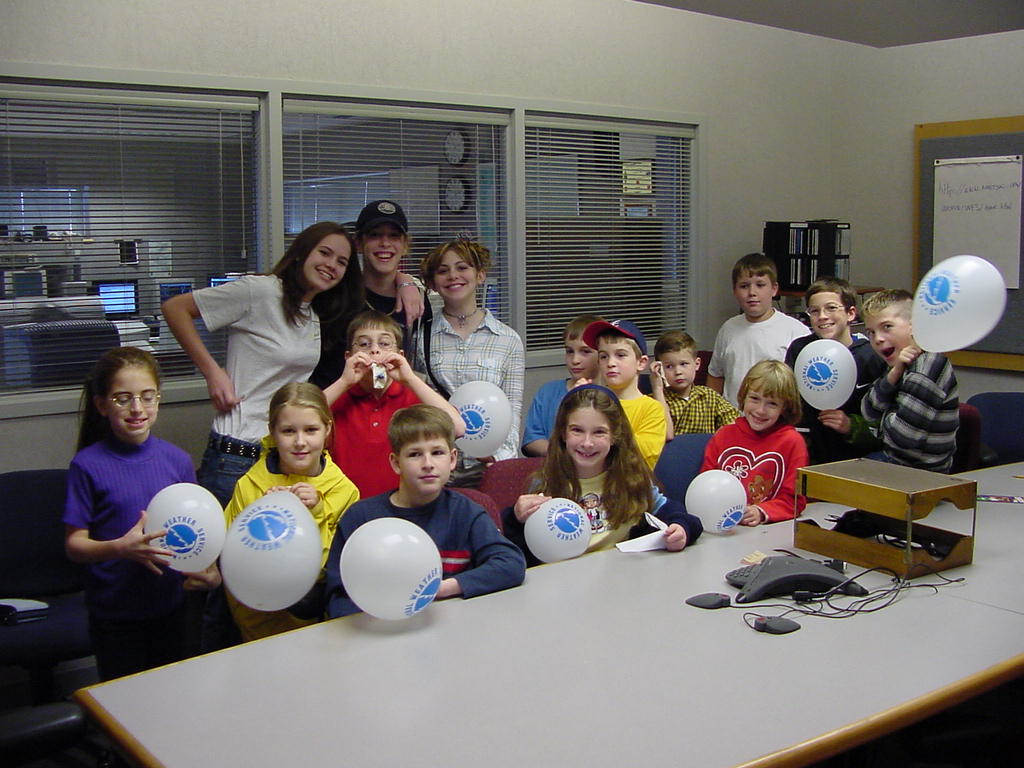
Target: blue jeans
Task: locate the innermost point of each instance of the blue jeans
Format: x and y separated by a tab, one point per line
880	456
218	473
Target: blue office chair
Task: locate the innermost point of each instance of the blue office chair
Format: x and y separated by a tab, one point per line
1000	424
679	463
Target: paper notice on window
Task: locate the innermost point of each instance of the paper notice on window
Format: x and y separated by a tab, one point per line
978	210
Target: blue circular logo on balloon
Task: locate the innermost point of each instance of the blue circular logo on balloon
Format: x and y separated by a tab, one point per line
478	423
567	522
937	290
732	518
267	527
181	538
937	295
424	593
185	537
820	373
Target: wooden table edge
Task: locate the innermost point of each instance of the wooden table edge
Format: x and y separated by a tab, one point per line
829	744
125	742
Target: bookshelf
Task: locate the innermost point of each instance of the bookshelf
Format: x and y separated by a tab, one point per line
806	250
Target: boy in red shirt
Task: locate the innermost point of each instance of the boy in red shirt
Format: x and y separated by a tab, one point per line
376	382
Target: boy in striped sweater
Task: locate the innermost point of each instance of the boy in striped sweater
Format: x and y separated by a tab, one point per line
915	403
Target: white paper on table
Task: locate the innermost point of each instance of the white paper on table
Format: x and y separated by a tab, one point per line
651	541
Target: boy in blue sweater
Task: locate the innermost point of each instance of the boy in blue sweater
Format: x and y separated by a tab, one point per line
837	433
475	558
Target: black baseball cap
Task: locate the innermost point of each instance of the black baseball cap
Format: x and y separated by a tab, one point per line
381	212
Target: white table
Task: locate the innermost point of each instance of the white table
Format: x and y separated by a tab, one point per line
593	662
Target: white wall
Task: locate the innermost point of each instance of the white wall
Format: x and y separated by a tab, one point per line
879	96
792	126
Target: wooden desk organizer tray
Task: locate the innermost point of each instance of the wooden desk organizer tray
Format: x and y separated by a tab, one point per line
888	500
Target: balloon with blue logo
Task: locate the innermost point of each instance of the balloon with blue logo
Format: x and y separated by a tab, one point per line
717	497
272	552
558	530
957	303
487	413
194	521
826	374
390	568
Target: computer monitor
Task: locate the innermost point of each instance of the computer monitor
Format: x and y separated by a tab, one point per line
173	289
20	283
120	298
225	278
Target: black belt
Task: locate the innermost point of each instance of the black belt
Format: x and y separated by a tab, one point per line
234	447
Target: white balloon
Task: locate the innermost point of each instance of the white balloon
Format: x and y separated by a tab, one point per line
390	568
487	413
558	530
957	303
272	552
194	521
717	497
826	374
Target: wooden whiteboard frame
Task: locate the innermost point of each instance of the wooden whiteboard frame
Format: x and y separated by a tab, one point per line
997	360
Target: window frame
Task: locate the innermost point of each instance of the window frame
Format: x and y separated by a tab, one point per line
270	93
609	125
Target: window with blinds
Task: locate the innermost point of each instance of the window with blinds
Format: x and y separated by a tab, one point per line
109	203
607	224
446	168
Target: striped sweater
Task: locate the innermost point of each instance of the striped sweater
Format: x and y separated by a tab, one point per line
919	416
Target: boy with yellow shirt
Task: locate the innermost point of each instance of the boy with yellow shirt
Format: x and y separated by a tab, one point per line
622	356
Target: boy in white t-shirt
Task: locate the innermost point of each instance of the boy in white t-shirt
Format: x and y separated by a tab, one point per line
760	333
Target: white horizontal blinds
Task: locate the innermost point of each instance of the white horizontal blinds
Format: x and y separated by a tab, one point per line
607	225
108	203
339	156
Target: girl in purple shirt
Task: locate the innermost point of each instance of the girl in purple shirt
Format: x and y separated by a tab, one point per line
136	615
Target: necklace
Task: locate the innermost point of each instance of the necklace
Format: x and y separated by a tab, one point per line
460	319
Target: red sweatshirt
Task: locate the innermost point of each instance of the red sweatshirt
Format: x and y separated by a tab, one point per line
765	462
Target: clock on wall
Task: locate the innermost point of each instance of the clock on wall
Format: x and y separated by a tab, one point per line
455	194
455	147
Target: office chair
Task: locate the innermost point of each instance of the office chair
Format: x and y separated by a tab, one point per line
968	440
1000	424
680	462
33	565
30	734
485	501
505	481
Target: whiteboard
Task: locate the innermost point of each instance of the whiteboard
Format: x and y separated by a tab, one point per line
977	210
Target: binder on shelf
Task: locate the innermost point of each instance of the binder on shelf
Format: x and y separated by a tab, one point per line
803	251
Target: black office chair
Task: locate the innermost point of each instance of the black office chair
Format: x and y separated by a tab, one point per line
968	440
30	734
33	565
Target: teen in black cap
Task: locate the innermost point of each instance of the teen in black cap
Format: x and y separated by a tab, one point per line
383	240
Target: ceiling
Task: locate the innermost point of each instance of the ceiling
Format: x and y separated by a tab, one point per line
879	23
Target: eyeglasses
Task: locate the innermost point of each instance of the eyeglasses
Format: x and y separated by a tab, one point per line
384	345
125	399
828	309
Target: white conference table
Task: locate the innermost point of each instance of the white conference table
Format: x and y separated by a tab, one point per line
595	662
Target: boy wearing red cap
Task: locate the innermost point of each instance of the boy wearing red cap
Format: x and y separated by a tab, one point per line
622	356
